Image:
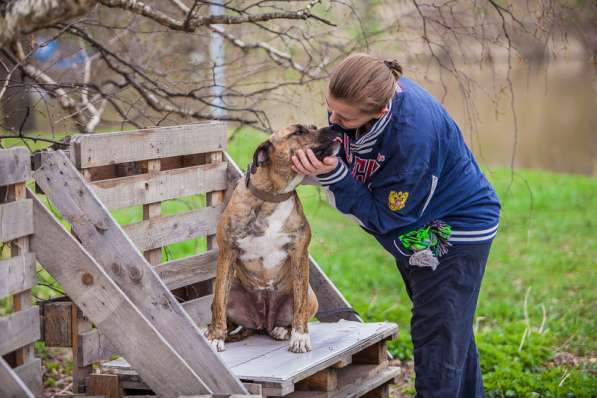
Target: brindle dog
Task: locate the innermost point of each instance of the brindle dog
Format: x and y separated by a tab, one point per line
262	279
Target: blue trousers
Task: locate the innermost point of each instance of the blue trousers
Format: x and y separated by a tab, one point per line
444	303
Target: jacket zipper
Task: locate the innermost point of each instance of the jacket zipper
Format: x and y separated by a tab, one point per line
434	181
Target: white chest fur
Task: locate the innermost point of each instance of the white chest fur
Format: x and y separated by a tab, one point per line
270	245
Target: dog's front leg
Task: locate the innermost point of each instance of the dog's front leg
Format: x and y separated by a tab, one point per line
299	337
218	328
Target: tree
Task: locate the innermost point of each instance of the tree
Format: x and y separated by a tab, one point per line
144	63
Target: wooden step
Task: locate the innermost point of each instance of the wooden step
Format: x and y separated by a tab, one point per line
345	358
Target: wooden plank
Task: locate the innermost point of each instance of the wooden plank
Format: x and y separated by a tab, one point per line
344	362
94	347
31	374
91	150
106	385
332	304
382	391
15	220
80	324
214	198
11	386
110	309
324	380
116	254
17	274
15	165
152	211
199	309
160	231
264	360
170	184
375	354
57	324
188	270
19	329
354	381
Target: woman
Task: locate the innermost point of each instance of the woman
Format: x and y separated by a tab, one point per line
407	176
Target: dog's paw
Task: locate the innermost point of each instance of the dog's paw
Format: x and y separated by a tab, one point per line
217	344
280	333
299	342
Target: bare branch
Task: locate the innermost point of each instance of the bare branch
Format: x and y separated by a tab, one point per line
25	16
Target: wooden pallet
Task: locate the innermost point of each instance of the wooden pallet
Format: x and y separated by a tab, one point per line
349	359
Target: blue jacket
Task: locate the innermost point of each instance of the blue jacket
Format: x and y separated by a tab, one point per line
410	168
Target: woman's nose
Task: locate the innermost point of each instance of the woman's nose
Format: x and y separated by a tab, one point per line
334	118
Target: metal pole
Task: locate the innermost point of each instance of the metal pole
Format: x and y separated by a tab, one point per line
216	55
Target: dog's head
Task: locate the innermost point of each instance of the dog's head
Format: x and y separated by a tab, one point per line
278	150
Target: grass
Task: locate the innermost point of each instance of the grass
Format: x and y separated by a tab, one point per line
545	251
535	319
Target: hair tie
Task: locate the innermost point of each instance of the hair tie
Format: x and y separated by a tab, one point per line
394	67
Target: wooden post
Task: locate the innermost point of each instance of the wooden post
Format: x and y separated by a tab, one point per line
152	210
79	325
104	384
21	301
212	199
81	374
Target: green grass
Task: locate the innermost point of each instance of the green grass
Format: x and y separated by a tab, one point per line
545	250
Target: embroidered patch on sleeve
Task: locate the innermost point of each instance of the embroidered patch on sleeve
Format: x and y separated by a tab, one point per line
397	200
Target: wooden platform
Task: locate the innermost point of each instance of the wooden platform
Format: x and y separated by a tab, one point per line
348	359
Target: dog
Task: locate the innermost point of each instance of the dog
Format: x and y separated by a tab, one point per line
262	275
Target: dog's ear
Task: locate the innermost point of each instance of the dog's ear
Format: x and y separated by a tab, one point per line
261	155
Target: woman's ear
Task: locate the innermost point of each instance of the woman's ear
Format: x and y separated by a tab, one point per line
261	155
382	112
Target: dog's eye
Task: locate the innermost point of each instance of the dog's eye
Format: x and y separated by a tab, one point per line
300	129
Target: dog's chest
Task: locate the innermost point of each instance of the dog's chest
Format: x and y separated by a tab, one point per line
269	245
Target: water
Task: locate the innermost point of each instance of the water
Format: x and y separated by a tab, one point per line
555	107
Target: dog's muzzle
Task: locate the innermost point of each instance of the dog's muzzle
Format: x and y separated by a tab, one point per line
328	149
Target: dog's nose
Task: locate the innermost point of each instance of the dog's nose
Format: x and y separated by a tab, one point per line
328	131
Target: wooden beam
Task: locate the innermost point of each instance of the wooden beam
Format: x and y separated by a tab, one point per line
94	346
160	231
57	324
104	384
372	355
31	374
19	329
17	274
18	247
91	150
151	211
109	308
11	386
15	220
188	270
15	165
114	251
149	188
324	380
332	304
199	309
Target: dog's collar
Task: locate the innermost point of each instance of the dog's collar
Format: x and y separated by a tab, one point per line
264	195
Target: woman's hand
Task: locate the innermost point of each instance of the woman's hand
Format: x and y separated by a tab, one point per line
306	163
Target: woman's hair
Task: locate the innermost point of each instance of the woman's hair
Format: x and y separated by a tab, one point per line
365	81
